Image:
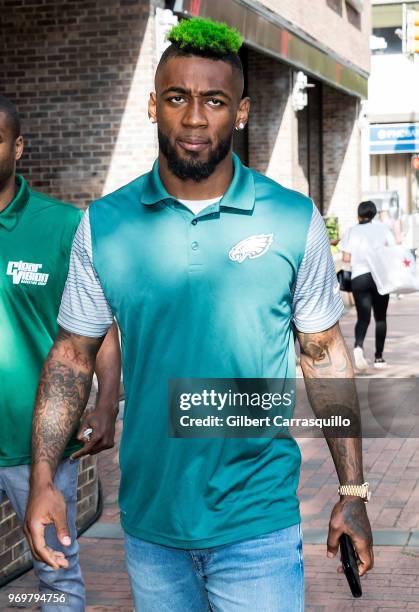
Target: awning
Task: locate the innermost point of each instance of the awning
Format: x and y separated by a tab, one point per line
270	33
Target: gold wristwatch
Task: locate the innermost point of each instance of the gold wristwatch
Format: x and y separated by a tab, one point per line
361	491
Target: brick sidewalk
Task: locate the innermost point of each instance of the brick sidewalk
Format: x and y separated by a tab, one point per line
391	465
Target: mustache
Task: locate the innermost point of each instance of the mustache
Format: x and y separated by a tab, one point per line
191	167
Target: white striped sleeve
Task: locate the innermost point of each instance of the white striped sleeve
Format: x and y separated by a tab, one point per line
317	304
84	309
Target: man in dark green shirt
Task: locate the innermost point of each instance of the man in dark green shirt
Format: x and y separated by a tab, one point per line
36	233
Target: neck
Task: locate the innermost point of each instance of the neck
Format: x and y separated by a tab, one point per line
215	185
7	192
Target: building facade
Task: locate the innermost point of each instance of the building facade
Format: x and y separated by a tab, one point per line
393	108
82	71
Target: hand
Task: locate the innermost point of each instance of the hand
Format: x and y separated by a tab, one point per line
349	516
47	506
102	420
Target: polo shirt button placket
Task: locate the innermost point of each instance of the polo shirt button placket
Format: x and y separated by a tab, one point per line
194	246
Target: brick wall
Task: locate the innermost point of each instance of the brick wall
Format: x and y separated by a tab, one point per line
333	23
315	136
272	122
278	138
87	491
341	156
80	72
14	550
81	75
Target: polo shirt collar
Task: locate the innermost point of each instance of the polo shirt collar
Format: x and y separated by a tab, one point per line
240	193
10	215
154	191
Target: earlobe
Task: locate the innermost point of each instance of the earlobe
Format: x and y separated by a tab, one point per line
152	108
19	148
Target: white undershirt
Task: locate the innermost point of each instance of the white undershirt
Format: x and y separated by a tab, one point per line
196	206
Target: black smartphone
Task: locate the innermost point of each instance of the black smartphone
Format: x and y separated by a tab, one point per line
350	566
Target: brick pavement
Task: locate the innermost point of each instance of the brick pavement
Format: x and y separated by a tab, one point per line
392	468
391	465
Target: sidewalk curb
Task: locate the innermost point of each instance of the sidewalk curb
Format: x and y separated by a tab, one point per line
382	537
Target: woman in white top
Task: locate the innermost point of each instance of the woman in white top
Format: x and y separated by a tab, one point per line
356	243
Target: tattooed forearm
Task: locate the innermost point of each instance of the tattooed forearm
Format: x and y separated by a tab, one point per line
61	398
62	395
325	354
331	389
347	457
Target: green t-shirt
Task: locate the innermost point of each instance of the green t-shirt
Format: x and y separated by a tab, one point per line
36	233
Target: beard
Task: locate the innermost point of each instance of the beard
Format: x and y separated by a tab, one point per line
193	168
7	170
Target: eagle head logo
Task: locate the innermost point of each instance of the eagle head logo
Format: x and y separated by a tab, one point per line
251	247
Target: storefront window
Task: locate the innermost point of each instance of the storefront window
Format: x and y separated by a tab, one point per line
388	41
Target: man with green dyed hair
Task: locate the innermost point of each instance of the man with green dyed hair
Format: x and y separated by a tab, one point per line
36	233
207	266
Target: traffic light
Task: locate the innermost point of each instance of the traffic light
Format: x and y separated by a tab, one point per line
410	31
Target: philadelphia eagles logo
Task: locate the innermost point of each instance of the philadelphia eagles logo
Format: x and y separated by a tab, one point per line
251	247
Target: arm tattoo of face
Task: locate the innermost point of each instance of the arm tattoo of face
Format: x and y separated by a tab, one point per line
324	354
331	389
62	395
328	373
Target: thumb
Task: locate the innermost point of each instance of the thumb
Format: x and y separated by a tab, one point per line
61	527
85	423
82	427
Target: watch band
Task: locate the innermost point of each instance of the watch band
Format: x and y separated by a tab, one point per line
361	491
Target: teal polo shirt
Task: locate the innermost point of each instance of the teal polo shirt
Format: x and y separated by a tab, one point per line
211	295
36	234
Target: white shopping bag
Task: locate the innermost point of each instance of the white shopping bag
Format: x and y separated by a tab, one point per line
393	269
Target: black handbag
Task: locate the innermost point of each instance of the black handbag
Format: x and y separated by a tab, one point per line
345	280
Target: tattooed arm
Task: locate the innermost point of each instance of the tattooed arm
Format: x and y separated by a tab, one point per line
101	419
325	356
62	395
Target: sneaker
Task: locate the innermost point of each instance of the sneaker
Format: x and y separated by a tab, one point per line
360	362
380	363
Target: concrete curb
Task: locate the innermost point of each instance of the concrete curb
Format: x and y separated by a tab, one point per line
382	537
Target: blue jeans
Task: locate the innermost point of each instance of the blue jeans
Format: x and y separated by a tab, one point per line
14	482
265	574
